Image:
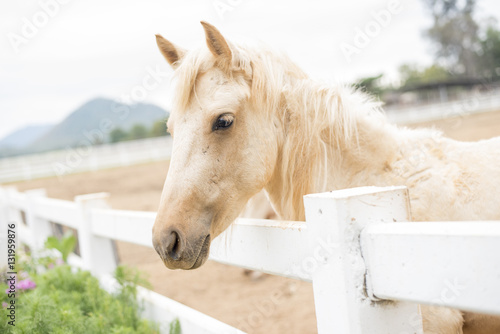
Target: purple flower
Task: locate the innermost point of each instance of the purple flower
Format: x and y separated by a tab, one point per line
26	284
50	265
59	261
4	304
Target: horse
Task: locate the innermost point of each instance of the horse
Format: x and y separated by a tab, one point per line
247	118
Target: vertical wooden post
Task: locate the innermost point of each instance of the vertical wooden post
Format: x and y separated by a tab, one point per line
343	304
97	253
40	228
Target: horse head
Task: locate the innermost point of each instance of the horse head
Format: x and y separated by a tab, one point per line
224	148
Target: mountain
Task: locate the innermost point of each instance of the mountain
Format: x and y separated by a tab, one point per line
92	122
24	136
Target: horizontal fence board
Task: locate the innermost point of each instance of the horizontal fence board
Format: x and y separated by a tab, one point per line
271	246
57	211
454	264
164	310
16	199
469	105
278	247
62	162
129	226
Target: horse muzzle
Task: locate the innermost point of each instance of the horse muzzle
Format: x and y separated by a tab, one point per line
178	251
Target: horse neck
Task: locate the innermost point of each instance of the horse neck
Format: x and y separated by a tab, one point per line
336	152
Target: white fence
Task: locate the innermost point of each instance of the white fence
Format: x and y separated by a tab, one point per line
475	104
368	265
83	159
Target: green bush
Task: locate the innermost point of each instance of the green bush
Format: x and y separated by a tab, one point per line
54	298
71	301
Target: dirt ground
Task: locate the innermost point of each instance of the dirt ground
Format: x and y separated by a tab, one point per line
467	128
221	291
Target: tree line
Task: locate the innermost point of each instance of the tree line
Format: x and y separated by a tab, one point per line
139	131
466	49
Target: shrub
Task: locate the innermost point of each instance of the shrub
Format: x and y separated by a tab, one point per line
54	298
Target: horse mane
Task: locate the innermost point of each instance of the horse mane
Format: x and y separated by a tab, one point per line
318	117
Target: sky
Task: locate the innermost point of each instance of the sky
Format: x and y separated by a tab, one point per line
57	54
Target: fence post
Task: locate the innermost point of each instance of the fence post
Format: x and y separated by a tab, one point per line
40	228
343	304
97	253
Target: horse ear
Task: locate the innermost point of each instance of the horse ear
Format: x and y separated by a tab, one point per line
217	44
171	52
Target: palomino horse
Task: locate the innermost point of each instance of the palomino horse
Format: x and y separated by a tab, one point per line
246	119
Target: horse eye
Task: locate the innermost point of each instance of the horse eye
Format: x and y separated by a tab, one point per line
223	122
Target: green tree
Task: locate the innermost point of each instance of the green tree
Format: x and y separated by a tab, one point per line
490	53
413	75
138	131
117	135
158	129
455	34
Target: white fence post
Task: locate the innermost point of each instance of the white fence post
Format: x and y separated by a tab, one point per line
97	253
40	228
343	304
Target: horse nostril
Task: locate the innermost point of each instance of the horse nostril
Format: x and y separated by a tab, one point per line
173	246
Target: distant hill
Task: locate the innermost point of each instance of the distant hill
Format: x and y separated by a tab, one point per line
89	124
24	136
92	122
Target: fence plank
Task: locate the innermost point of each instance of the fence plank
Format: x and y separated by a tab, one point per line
164	310
57	211
275	247
15	199
342	302
278	247
59	163
129	226
453	264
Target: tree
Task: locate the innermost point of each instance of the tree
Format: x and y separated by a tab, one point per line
490	53
158	129
138	131
117	135
456	35
413	75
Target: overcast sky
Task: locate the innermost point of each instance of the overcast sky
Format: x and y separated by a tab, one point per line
92	48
